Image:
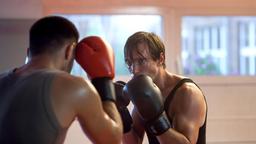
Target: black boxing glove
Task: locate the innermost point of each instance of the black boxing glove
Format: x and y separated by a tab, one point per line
122	102
147	99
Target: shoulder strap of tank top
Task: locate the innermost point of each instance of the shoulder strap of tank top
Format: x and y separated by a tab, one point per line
172	93
202	130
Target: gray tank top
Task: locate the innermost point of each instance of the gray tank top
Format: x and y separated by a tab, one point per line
26	114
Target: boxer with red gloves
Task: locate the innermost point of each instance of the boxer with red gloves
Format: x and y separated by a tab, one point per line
40	100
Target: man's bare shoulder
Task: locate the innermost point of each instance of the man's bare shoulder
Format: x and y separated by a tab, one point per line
191	102
73	85
190	90
68	78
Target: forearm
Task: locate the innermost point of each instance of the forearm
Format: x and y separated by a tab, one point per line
172	136
131	138
111	110
115	123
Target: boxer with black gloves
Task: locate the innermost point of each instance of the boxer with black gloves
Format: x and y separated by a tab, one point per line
180	105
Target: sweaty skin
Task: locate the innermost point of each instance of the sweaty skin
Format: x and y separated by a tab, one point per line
187	110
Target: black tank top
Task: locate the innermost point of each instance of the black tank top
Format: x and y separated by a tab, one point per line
202	131
26	114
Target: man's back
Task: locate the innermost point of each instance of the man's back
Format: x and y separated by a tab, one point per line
26	114
36	107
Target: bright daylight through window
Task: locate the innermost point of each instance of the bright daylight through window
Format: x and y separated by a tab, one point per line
115	29
219	45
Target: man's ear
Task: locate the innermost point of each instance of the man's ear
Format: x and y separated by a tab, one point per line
162	58
28	55
69	53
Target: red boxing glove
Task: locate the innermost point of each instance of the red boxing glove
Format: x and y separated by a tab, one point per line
96	57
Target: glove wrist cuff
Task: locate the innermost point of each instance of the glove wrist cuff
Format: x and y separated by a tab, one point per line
105	88
159	125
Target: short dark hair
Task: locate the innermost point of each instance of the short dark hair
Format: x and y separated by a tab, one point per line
155	45
49	34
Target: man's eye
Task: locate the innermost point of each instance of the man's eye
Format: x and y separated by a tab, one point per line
128	63
141	61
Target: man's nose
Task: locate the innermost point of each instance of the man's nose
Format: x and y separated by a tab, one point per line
135	69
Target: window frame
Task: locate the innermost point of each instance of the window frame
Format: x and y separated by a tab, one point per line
213	11
172	21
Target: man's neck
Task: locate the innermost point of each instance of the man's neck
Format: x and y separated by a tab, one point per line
160	80
38	63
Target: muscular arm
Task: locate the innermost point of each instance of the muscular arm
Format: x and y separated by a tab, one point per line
73	97
189	115
100	121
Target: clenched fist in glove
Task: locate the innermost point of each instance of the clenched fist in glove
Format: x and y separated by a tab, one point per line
147	99
96	57
122	101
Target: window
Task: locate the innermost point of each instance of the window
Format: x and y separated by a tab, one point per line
219	45
115	29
